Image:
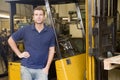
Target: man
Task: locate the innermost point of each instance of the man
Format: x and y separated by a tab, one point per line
39	42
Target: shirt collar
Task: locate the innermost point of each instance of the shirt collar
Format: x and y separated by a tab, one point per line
45	27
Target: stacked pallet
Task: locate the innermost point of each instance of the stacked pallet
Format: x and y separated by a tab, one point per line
112	62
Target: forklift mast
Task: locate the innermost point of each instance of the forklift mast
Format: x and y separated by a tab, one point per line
101	18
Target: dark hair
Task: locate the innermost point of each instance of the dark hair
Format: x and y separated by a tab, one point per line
39	8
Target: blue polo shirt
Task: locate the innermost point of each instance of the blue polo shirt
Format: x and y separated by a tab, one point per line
36	43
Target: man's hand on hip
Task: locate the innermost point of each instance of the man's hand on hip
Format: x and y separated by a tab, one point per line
24	55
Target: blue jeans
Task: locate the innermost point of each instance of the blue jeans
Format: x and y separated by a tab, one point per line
32	74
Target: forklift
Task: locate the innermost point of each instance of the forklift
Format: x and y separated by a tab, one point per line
98	33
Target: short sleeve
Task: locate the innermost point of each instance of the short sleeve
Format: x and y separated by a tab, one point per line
52	40
18	35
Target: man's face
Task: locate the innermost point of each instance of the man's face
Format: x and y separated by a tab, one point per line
38	16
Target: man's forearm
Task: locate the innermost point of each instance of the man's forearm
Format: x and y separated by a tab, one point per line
50	57
13	46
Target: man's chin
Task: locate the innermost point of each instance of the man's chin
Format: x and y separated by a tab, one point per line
39	23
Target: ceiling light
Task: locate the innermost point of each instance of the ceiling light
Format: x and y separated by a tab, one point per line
4	16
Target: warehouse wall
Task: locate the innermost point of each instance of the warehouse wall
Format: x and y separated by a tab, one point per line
22	11
64	8
4	6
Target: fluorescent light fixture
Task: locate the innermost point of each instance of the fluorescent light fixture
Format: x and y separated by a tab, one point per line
4	16
65	18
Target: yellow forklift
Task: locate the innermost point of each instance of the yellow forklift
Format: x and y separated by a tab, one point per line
70	67
99	34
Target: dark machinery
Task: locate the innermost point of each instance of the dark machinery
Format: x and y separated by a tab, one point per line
64	42
4	49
